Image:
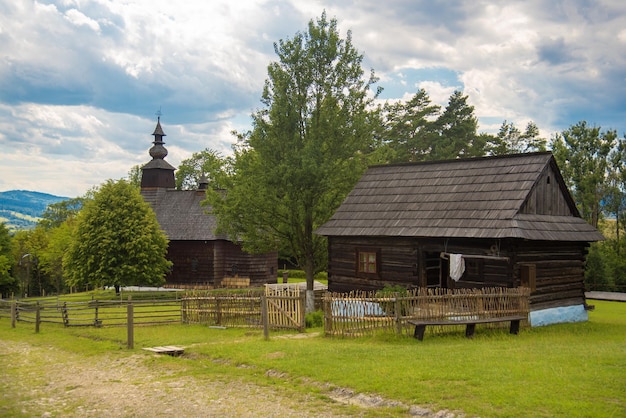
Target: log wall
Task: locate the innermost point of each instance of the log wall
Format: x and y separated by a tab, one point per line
560	272
192	263
230	260
206	263
558	267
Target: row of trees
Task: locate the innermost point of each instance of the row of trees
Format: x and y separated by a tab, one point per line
318	129
110	237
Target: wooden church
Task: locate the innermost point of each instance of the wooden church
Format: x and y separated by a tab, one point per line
201	257
502	221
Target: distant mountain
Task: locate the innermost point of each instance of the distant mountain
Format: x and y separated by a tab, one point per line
21	209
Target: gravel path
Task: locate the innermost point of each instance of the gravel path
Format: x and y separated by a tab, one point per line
55	383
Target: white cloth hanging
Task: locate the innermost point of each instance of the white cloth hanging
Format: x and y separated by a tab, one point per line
457	266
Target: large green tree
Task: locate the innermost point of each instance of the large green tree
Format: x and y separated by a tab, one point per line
582	153
457	127
615	201
57	213
510	140
60	240
8	284
305	151
117	241
207	163
408	127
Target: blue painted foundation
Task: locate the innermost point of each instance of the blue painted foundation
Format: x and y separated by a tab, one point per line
559	315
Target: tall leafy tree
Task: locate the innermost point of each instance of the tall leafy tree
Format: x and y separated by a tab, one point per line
207	163
134	176
457	127
510	140
582	153
51	259
27	247
409	128
305	151
8	284
117	241
57	213
615	202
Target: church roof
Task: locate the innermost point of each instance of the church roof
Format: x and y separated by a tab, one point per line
181	215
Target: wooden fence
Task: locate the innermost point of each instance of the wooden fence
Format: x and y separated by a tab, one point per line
93	313
242	309
284	308
352	314
362	313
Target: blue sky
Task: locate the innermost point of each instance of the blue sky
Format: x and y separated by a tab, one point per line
81	81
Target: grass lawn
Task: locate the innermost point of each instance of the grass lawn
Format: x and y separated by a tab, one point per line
561	370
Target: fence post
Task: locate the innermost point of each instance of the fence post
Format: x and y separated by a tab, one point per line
96	322
66	318
37	317
264	317
130	324
218	310
13	313
398	315
302	309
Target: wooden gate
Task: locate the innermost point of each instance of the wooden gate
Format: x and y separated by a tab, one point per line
285	306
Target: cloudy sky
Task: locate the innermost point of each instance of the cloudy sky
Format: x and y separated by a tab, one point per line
81	81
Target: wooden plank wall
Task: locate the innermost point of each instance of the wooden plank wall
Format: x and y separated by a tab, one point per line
404	262
260	268
559	266
206	263
399	265
187	271
546	197
560	272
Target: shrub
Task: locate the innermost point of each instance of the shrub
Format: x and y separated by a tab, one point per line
314	319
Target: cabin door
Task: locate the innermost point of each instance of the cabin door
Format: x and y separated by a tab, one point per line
437	269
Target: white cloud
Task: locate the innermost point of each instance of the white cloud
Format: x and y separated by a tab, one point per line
80	81
438	93
79	19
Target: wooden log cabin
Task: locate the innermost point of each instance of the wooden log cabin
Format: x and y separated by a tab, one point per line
201	257
467	223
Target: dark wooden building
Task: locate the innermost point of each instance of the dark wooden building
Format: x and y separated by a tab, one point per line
200	256
495	221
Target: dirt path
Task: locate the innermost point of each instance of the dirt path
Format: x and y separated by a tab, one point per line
55	383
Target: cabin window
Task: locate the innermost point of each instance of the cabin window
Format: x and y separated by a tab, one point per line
368	262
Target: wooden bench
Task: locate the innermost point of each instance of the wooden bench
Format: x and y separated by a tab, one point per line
421	324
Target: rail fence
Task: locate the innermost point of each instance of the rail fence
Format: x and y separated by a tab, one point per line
363	313
93	313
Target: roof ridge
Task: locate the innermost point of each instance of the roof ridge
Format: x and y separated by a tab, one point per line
465	159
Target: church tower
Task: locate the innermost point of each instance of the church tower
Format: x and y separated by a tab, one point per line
158	173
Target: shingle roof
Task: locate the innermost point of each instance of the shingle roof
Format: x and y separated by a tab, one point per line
181	215
463	198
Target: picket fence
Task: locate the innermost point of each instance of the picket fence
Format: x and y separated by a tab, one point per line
284	308
364	313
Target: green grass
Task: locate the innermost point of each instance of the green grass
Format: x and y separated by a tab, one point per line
564	370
